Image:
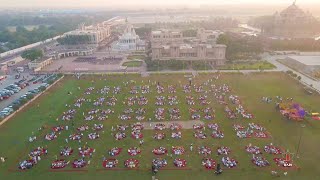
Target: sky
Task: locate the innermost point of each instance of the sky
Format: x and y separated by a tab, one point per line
144	3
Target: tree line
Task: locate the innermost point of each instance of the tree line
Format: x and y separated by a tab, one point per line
32	54
240	48
48	27
74	40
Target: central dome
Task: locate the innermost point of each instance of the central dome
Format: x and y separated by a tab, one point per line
293	11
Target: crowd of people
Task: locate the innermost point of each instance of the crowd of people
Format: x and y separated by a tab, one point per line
135	111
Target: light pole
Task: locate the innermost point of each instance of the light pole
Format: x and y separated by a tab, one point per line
300	137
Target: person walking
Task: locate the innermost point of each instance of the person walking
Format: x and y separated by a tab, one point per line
141	142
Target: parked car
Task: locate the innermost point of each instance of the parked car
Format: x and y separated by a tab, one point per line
9	110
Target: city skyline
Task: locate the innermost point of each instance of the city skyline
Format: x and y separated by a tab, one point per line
145	3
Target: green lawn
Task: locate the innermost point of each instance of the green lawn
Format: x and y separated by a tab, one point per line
250	88
132	64
264	65
159	65
136	57
201	66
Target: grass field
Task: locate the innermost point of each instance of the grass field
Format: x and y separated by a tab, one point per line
264	65
136	57
132	64
250	89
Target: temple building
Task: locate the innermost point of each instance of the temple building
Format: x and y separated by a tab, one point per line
292	22
129	40
170	44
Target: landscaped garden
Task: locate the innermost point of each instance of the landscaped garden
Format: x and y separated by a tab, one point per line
136	57
118	126
132	64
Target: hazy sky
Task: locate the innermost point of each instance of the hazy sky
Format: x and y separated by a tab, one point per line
119	3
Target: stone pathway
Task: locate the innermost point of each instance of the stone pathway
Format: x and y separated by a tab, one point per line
185	124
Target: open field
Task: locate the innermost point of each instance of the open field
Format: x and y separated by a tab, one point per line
263	65
132	64
250	88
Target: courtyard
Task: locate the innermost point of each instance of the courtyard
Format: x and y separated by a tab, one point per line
187	129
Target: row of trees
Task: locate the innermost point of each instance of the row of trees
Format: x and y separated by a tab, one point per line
32	54
189	33
74	40
1	50
22	36
47	27
241	48
294	44
143	32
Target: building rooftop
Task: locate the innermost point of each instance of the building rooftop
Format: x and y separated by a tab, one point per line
307	60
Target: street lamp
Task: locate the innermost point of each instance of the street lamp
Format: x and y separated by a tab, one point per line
298	148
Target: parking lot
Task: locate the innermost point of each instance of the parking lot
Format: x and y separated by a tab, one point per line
11	80
30	82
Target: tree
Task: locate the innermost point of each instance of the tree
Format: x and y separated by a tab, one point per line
241	47
32	54
189	33
299	78
74	39
142	32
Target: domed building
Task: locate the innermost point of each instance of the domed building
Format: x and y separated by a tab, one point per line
129	40
292	22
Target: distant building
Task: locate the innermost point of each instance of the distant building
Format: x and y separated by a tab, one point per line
14	60
169	44
205	35
95	33
306	64
292	22
70	51
166	36
191	52
129	40
37	65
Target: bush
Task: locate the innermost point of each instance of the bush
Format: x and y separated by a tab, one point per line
42	88
299	78
158	65
29	97
289	72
